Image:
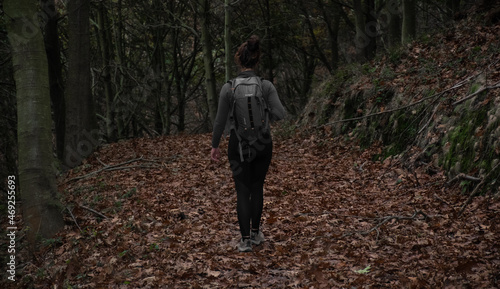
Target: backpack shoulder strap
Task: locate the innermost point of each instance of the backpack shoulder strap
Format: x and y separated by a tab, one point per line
231	107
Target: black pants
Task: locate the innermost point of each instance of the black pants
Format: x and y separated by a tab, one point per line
249	176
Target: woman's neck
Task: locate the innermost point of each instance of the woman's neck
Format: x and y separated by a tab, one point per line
246	69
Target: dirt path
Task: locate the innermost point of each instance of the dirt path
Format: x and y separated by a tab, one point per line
333	218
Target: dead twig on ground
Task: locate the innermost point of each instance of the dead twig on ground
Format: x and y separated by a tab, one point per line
386	220
477	190
486	88
120	166
93	211
441	199
463	176
74	219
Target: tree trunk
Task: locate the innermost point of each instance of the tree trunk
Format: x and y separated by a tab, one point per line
452	7
333	25
117	24
394	34
228	46
42	212
315	42
178	83
81	136
53	50
106	48
409	29
371	29
208	60
361	41
269	42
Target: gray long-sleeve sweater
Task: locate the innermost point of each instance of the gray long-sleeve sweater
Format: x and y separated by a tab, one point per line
277	111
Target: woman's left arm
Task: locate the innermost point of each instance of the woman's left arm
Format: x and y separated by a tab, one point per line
276	108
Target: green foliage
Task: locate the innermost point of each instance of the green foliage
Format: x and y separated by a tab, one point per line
130	193
461	155
364	271
51	242
154	247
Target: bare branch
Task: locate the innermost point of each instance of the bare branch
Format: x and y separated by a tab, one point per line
477	190
74	219
496	85
387	219
456	86
93	211
119	166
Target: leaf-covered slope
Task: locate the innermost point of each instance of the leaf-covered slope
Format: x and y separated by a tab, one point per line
333	218
440	94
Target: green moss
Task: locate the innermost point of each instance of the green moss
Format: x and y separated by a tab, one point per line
400	132
462	139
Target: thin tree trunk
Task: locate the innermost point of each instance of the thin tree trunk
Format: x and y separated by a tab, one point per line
452	7
227	40
53	50
269	42
394	35
361	41
208	60
310	27
42	212
81	136
120	62
333	26
371	29
106	47
409	29
178	82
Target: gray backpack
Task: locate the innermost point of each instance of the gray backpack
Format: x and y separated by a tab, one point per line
249	114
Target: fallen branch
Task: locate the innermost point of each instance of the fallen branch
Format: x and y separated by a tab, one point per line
391	110
74	219
441	199
379	113
477	190
119	166
93	211
463	176
496	85
387	219
457	85
430	120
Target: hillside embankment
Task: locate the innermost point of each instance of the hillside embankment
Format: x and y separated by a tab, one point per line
433	103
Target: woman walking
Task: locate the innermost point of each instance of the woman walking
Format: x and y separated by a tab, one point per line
249	159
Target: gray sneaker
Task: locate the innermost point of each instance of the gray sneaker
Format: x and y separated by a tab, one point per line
257	238
245	245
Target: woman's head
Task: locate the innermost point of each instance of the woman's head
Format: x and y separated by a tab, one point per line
248	53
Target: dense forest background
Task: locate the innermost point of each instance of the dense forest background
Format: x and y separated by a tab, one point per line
154	66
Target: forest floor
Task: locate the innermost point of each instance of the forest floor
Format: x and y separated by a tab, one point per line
158	213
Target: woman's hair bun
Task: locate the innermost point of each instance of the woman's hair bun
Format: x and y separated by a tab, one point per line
248	53
253	43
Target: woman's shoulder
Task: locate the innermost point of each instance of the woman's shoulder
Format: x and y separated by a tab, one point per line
267	84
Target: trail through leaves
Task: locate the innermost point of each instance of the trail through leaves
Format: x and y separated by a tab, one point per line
171	223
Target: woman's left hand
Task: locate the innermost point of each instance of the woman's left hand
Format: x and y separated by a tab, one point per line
215	154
